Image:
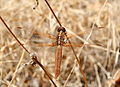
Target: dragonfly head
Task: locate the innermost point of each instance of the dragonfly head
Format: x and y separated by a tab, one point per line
61	29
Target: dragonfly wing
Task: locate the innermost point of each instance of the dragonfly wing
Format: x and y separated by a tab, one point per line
41	34
46	45
77	45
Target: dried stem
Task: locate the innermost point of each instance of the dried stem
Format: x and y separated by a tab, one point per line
34	58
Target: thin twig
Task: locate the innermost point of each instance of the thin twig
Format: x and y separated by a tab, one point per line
34	58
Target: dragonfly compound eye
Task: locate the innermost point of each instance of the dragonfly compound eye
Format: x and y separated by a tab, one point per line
61	29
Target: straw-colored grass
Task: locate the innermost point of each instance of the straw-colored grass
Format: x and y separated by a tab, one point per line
100	60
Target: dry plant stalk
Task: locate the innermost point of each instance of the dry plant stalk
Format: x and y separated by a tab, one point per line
115	81
33	56
61	41
104	36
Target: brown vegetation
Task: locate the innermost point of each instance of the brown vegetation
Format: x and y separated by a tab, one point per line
100	60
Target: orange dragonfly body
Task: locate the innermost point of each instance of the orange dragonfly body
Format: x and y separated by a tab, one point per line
58	57
61	41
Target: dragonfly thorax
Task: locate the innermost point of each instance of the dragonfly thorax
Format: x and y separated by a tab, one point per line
61	39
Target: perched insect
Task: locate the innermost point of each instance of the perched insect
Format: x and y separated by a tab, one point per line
62	39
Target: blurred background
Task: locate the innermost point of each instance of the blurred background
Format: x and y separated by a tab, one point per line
100	59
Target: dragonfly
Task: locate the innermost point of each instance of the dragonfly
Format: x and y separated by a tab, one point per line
62	39
60	42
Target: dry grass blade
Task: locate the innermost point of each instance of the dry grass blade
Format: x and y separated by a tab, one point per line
63	30
33	57
13	35
17	67
88	23
115	80
84	77
97	75
69	76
